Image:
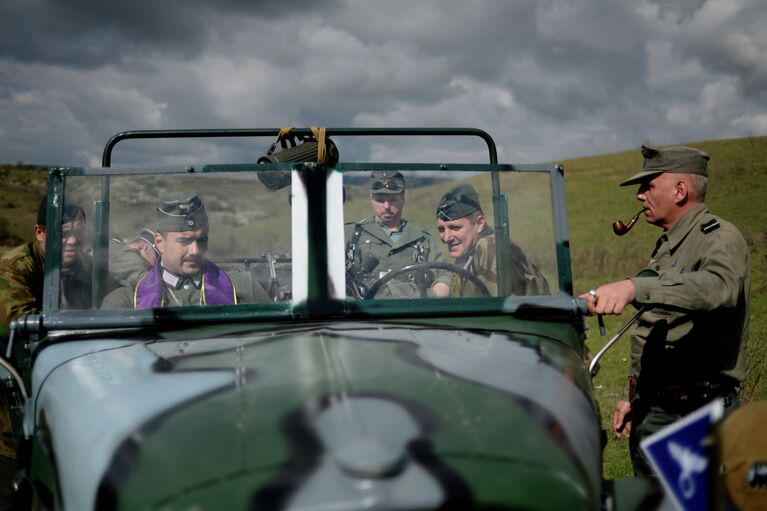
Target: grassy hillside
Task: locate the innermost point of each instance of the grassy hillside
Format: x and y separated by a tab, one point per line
21	187
737	187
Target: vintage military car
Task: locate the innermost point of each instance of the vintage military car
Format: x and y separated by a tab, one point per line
329	395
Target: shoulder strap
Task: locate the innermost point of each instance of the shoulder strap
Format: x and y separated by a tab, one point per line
710	226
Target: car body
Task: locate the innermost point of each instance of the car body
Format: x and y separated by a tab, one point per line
313	400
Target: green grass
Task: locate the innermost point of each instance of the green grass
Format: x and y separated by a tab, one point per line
737	189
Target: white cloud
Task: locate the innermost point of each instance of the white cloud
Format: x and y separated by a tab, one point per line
748	125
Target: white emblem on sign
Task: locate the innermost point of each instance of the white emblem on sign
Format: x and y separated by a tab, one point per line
689	464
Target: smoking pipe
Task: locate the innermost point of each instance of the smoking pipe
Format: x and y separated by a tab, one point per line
620	228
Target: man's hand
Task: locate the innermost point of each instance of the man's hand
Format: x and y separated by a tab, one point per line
622	419
611	298
441	290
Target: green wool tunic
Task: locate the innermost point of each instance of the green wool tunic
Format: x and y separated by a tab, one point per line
379	253
696	325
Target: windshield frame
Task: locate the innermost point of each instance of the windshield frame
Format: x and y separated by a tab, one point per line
319	301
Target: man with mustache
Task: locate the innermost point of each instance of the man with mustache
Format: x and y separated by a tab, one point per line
385	241
689	345
471	241
182	275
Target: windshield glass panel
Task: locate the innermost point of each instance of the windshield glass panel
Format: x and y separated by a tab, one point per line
446	224
207	238
222	238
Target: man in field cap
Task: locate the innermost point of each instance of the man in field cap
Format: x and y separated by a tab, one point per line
690	342
471	241
680	159
385	241
182	275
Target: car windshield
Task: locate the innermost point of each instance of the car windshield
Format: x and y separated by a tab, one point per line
248	235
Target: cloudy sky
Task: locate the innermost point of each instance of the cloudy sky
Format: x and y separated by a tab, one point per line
549	79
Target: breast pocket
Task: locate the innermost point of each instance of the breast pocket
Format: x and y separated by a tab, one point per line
373	252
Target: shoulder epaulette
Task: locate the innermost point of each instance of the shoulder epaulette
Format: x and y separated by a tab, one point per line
710	226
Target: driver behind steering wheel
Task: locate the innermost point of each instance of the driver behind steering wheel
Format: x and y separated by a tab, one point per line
471	241
385	242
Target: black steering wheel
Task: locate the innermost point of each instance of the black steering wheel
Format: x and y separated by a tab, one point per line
419	270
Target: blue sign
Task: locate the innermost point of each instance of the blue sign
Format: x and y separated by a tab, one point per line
679	453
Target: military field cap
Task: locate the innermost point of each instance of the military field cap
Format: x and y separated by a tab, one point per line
681	159
71	210
182	212
460	201
744	456
146	235
387	181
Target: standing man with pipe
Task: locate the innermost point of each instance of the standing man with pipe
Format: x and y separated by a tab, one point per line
689	345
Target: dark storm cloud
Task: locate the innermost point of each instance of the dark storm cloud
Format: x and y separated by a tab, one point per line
548	78
92	33
88	33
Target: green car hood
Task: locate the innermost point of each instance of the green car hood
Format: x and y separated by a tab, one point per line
345	416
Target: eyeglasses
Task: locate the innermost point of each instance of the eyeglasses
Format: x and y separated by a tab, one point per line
180	208
389	185
443	216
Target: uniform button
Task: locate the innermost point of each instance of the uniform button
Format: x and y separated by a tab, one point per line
186	286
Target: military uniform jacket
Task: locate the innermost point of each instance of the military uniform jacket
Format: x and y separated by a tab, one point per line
187	294
378	254
526	279
696	328
22	270
76	285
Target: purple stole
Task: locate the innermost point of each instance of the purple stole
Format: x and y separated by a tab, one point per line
217	287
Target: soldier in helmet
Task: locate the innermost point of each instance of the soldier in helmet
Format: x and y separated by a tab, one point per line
471	241
182	275
385	241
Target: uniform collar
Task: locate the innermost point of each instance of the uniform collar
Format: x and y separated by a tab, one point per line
684	225
175	282
398	230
